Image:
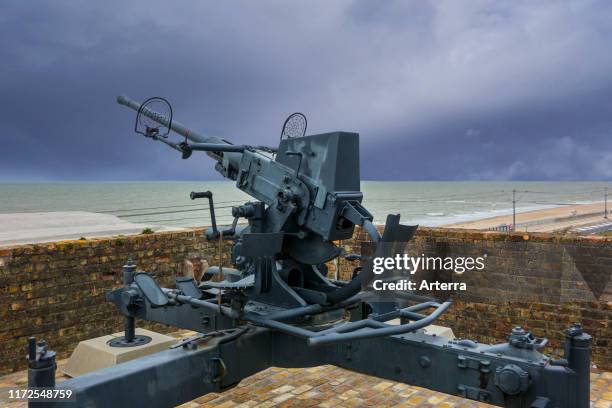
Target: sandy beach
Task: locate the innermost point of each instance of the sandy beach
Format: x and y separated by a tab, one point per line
546	220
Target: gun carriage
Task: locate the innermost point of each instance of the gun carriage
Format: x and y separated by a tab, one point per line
275	306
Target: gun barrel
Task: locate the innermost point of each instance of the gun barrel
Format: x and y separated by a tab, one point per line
174	126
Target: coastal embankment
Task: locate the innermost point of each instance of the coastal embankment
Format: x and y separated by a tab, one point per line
566	218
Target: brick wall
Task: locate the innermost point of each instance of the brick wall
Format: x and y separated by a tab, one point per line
542	282
57	291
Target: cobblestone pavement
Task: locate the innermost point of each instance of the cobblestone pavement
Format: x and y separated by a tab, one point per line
329	386
324	386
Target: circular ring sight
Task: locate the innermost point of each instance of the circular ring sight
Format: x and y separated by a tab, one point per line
294	126
154	118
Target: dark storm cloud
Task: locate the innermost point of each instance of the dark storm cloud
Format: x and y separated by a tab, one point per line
438	90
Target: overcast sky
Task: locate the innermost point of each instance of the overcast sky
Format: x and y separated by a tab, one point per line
440	90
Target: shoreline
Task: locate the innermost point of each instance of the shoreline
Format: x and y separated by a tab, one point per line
558	218
25	228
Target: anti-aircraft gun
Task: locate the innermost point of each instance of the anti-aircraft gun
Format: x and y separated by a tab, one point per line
276	305
308	196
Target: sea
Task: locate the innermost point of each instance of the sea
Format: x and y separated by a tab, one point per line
428	203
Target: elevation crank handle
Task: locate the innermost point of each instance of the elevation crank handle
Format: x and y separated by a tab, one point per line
200	194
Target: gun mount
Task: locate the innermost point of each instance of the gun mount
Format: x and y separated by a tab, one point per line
276	306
